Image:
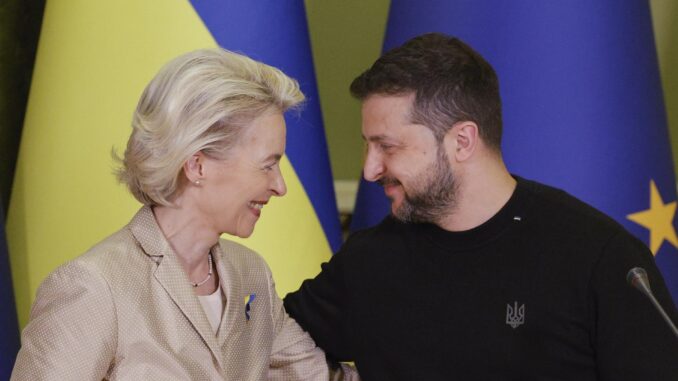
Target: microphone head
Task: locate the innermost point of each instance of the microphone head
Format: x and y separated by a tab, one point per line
635	273
637	277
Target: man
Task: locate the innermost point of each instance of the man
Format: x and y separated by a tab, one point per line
477	274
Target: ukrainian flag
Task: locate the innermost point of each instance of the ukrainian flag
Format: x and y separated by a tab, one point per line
583	105
94	59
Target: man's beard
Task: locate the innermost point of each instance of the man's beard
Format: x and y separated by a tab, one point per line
433	193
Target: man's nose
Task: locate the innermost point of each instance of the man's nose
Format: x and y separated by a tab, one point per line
373	169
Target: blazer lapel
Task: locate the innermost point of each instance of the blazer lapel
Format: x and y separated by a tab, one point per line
172	277
231	284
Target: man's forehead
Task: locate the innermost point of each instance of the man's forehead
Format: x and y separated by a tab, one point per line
386	109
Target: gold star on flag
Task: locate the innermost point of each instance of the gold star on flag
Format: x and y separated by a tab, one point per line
658	220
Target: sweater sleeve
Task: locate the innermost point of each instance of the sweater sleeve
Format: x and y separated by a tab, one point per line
72	330
294	355
319	306
631	339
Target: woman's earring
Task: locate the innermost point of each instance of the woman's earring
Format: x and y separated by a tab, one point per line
197	182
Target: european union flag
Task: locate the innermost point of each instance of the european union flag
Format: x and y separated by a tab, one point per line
583	106
9	329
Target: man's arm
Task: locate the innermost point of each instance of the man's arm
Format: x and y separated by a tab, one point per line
631	340
319	306
294	355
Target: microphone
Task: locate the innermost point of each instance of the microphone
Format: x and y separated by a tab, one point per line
637	277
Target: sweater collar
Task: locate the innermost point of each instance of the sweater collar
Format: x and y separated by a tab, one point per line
510	214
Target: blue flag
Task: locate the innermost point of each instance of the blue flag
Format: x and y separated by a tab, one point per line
9	329
371	205
582	101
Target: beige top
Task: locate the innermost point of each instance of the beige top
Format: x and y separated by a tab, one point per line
126	310
213	305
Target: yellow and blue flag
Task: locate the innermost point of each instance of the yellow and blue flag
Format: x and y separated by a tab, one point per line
583	106
94	60
9	331
276	32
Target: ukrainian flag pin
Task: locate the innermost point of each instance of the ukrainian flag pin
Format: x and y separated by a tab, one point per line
248	302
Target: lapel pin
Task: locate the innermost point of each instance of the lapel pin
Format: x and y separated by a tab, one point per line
248	302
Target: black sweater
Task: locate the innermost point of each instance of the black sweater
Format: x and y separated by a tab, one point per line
538	292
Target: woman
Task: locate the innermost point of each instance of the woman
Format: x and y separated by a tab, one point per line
164	297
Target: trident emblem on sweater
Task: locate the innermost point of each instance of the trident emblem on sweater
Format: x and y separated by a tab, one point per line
515	315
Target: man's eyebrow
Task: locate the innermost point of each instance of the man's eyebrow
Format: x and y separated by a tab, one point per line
273	156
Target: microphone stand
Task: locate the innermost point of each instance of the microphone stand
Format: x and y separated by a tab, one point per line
637	277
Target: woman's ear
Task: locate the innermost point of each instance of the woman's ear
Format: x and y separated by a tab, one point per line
461	140
194	168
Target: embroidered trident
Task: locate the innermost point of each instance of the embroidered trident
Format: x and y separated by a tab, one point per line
515	315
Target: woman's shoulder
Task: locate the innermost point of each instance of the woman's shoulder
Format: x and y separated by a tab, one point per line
107	257
83	278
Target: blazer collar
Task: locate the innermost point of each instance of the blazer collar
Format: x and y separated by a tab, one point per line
172	277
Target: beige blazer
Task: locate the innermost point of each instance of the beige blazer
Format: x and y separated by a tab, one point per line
125	310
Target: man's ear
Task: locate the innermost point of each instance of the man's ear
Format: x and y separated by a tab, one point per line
461	140
194	168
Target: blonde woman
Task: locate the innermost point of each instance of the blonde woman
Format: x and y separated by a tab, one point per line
165	297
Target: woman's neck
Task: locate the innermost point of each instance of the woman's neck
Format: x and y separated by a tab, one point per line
191	239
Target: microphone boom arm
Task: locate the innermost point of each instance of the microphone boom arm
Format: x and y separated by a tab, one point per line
637	277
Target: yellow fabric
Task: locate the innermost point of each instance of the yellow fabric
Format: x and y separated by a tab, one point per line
126	310
94	59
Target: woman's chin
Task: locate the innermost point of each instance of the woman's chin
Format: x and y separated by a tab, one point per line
242	225
244	235
244	231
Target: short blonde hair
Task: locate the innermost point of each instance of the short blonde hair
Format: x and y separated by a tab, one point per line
199	101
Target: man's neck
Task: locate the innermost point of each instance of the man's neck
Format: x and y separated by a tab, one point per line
483	190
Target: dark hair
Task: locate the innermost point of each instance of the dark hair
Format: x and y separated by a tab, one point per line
451	83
